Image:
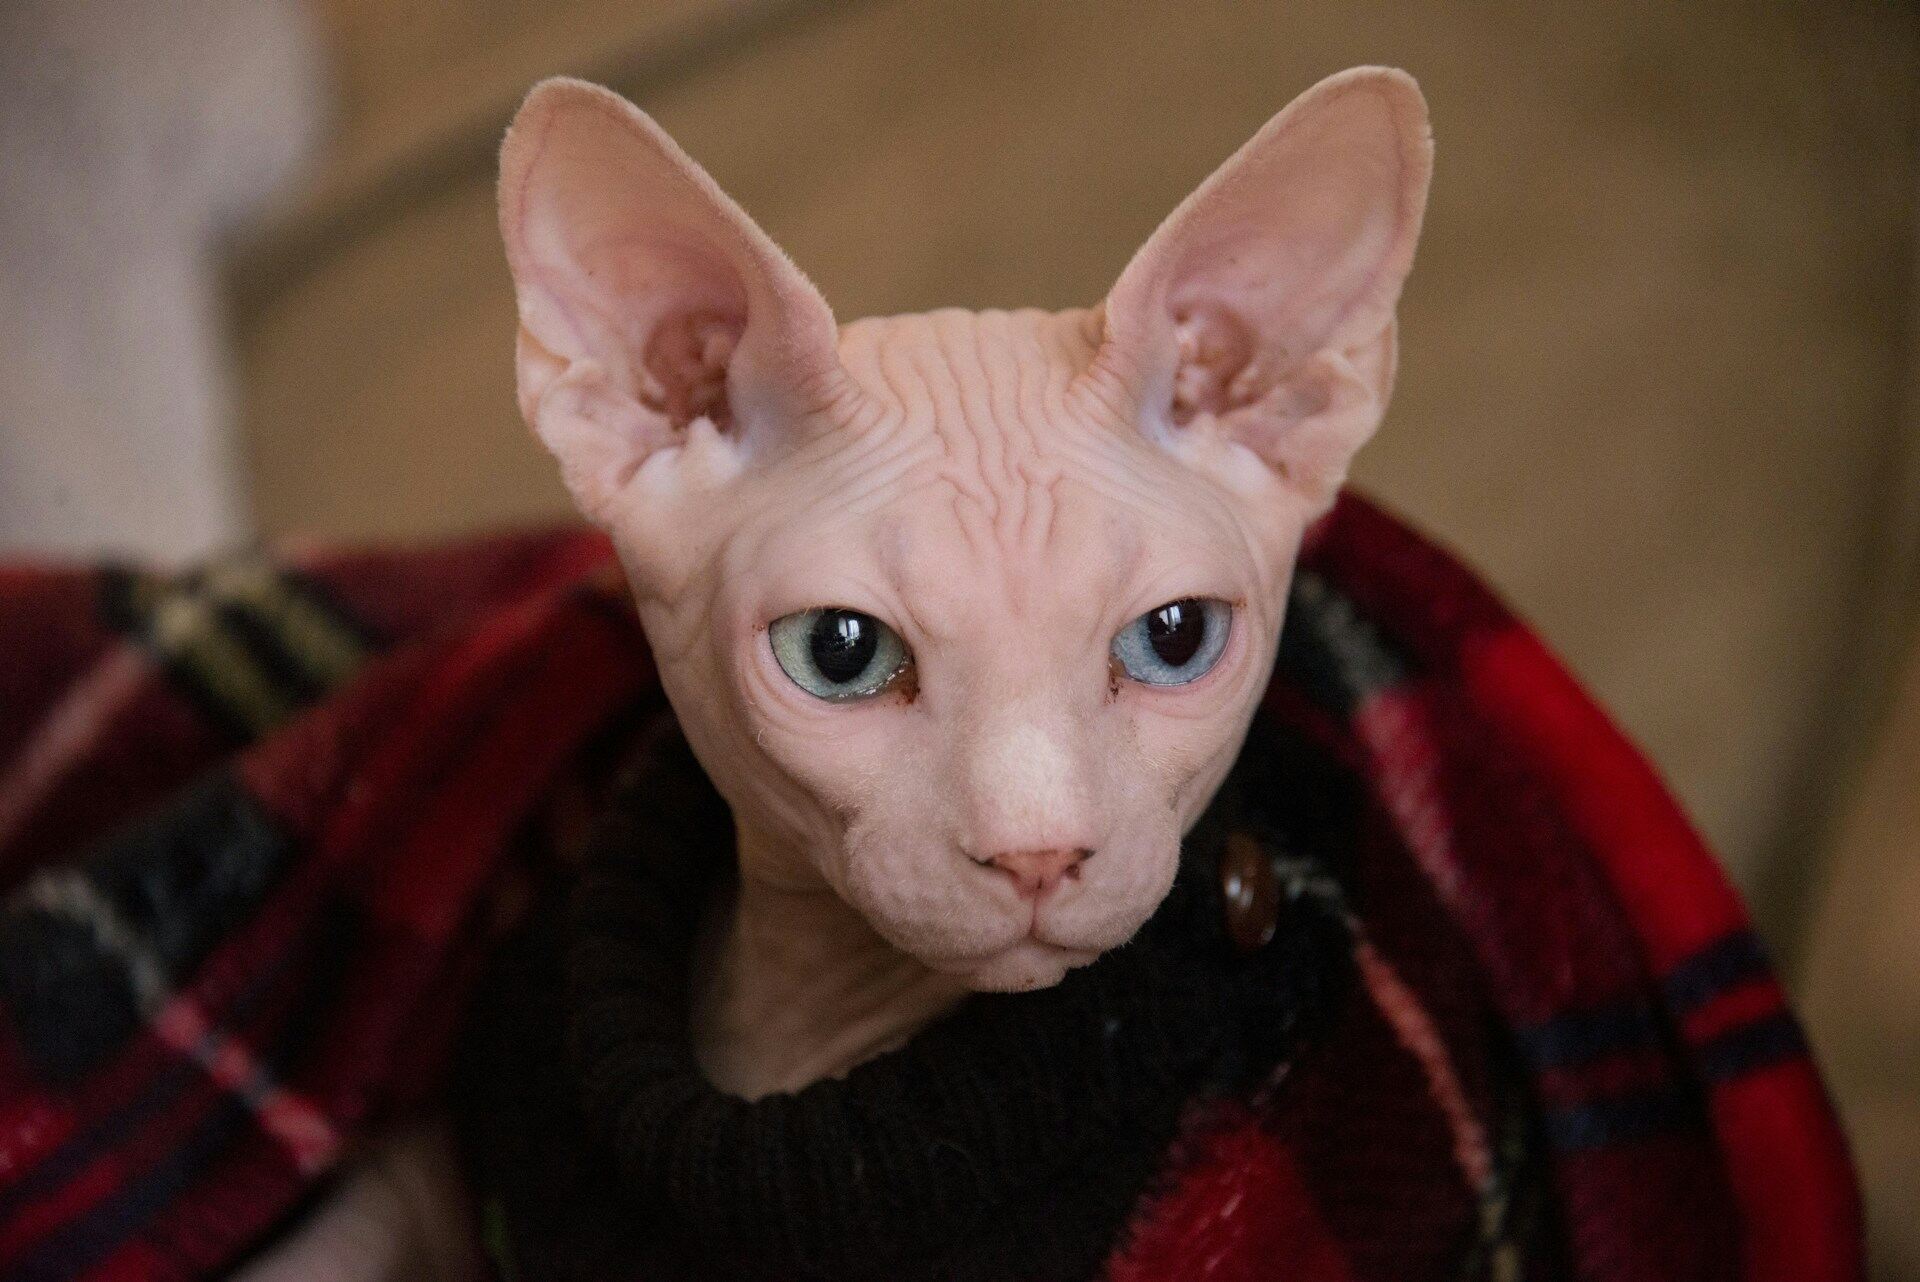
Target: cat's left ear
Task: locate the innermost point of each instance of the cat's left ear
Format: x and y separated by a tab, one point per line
1261	313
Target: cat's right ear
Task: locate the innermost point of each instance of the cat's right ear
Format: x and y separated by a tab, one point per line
657	322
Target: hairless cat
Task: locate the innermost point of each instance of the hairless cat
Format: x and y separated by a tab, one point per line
966	613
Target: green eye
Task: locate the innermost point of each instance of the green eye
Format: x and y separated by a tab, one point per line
1175	644
838	654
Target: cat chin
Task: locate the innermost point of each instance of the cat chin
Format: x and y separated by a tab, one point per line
1025	966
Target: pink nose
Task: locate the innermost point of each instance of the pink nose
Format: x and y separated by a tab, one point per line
1038	871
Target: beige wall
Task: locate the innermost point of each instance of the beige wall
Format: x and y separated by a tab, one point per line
131	134
1860	993
1652	351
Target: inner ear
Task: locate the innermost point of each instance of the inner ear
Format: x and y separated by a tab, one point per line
684	367
1221	367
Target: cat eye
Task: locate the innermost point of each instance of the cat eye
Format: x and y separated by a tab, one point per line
1175	643
835	653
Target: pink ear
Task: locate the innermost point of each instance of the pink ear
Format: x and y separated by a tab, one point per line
649	302
1263	308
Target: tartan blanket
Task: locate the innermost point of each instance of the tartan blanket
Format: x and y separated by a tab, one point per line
262	823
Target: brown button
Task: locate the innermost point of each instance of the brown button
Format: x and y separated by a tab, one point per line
1249	893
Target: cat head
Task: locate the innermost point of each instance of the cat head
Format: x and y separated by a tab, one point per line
965	613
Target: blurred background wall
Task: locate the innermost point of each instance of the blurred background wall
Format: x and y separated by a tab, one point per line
1660	376
133	135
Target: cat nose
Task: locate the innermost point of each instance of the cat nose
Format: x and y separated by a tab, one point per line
1036	872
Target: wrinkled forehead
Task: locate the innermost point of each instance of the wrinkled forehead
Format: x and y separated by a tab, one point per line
1070	556
964	365
986	482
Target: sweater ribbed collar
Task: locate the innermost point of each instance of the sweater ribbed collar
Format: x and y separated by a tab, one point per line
1008	1139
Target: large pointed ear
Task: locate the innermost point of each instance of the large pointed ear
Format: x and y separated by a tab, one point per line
653	312
1261	313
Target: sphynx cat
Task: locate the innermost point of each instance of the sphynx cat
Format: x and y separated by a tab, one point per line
966	613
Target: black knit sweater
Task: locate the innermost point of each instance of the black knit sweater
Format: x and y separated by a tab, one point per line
1008	1140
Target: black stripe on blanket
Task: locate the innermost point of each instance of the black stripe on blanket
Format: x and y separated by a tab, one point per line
247	642
1732	960
1330	651
86	950
1749	1047
1627	1115
1576	1037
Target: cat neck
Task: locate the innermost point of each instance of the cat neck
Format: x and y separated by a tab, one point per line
795	987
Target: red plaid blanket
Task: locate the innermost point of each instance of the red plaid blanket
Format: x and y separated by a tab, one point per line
261	823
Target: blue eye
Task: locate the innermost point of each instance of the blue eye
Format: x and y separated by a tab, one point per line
1176	643
838	654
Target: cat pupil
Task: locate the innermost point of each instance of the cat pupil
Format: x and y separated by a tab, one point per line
842	644
1176	630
